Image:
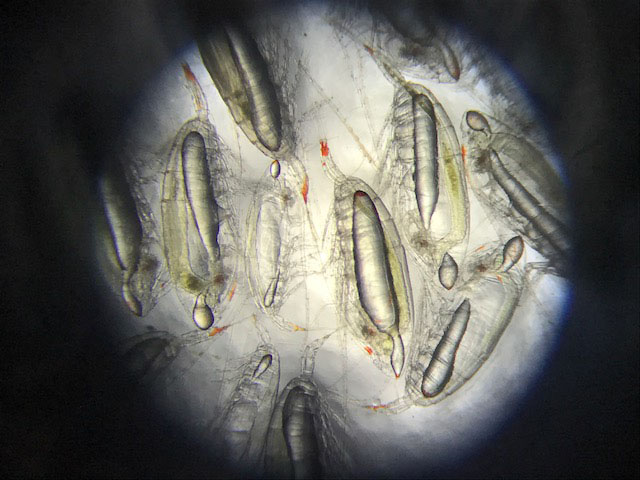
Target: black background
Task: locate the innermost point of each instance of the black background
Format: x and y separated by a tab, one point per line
69	75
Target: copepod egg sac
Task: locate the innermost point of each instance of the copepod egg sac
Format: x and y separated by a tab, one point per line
202	314
511	253
448	271
274	169
477	122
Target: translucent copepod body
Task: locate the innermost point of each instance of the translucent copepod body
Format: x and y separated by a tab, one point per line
245	420
267	250
374	290
306	436
463	336
126	242
427	174
191	216
514	179
242	78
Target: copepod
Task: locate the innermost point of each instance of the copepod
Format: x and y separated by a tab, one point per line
422	44
241	75
263	253
431	186
302	441
246	417
374	290
125	229
547	233
516	184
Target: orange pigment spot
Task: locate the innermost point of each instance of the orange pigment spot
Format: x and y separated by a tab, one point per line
481	247
233	290
375	408
463	150
216	330
297	328
324	148
369	350
305	188
499	279
188	74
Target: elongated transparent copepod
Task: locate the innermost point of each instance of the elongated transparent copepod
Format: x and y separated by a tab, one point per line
426	164
548	234
460	339
248	412
525	161
191	218
422	44
241	76
363	232
263	247
374	279
425	150
468	341
517	185
125	229
302	441
148	355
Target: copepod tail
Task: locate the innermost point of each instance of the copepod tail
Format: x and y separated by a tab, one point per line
130	299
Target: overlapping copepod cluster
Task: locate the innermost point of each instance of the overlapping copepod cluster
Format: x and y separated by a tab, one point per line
424	242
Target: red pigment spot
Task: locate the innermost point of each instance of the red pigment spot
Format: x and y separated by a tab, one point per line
463	150
188	73
233	290
499	278
375	408
369	350
217	330
305	188
324	148
368	49
360	193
